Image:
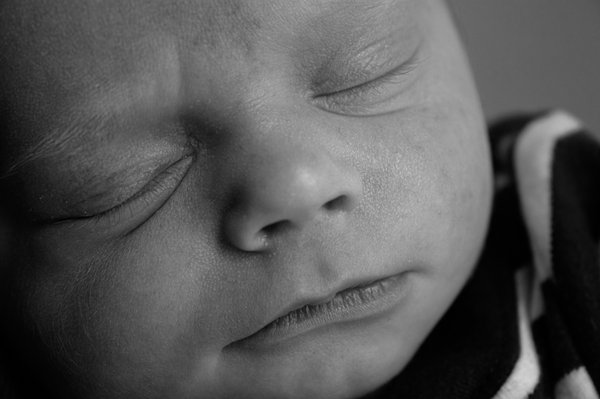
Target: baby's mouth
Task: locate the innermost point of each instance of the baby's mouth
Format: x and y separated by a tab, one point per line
356	302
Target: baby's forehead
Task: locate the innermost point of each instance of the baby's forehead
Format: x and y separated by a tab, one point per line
75	28
76	66
74	36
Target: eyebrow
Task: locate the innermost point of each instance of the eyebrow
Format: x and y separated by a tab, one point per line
58	140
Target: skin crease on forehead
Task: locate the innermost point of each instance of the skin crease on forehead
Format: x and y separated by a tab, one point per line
100	97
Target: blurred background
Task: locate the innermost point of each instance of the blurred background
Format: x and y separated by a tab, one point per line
534	54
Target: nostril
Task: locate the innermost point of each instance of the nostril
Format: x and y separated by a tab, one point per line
275	228
337	204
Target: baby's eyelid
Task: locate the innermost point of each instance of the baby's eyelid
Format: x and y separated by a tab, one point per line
402	69
365	95
139	207
399	70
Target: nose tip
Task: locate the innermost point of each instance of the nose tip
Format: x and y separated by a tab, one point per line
287	197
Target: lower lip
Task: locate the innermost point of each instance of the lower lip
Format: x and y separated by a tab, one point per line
356	303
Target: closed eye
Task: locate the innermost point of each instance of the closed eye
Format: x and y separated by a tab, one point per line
136	210
372	96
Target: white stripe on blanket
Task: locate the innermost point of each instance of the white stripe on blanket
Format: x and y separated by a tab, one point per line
533	162
576	385
526	373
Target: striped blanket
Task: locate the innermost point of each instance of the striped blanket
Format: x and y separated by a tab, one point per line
527	325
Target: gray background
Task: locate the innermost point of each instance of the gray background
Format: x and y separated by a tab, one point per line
534	54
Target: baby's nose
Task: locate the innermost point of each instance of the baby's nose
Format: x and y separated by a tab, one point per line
283	191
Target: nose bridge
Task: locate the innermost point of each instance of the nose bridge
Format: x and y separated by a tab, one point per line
288	179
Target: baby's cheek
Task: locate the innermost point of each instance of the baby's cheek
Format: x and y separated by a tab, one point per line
473	176
55	291
110	317
466	185
452	179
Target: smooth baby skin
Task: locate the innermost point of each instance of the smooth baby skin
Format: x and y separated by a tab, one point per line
186	172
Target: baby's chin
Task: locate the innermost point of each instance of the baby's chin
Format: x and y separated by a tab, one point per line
339	361
336	376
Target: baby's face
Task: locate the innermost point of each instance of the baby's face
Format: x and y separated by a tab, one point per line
190	172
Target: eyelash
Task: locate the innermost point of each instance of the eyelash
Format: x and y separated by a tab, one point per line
139	208
353	100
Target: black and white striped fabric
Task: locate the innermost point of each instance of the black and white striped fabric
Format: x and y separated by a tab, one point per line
527	325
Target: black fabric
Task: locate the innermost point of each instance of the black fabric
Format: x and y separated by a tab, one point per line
576	223
555	346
